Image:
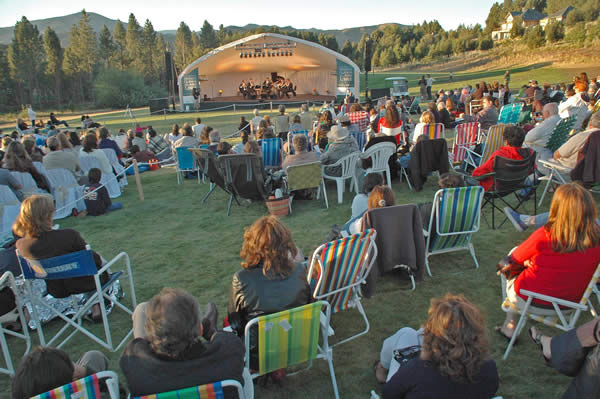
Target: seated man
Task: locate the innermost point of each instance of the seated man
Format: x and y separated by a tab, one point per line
167	352
301	155
512	149
537	138
215	139
340	145
566	155
487	117
58	159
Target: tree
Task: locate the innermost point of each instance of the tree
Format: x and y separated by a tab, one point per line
159	56
6	88
81	56
535	37
133	40
208	37
577	34
26	60
146	52
183	46
106	46
222	35
54	60
331	42
574	17
347	50
555	32
538	5
486	43
517	29
120	37
495	18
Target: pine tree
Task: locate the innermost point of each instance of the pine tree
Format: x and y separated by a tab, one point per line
54	60
222	35
106	46
6	97
81	56
120	37
183	46
26	60
159	56
208	37
148	42
133	39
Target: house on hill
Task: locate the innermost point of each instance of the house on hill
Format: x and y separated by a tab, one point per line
558	16
531	17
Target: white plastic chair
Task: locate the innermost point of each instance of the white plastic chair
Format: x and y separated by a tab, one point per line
10	206
380	155
29	186
114	162
8	280
348	165
114	190
66	191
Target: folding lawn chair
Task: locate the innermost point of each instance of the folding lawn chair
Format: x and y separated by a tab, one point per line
271	152
291	138
185	163
85	388
505	114
465	139
42	170
77	264
244	177
217	390
208	165
516	113
8	280
342	266
348	166
434	131
29	186
292	337
414	106
306	176
493	141
360	137
562	315
455	217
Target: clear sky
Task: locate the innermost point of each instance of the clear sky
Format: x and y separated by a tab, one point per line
338	14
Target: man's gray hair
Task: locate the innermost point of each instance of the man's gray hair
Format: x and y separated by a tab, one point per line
282	108
52	143
255	112
299	142
214	136
551	108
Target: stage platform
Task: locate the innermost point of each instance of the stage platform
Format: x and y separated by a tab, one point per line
242	104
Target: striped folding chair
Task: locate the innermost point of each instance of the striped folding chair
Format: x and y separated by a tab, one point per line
85	388
271	152
290	137
505	114
434	131
516	113
466	139
562	314
455	217
292	337
215	390
492	142
342	266
560	133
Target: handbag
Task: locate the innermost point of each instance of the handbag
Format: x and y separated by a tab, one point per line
509	268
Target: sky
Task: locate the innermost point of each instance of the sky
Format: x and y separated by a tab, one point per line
166	15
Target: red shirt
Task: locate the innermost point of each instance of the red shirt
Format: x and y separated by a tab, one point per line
488	167
360	118
561	275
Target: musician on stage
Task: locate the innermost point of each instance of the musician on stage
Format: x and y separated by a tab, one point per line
243	89
267	87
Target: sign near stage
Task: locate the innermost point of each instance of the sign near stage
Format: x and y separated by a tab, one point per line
345	75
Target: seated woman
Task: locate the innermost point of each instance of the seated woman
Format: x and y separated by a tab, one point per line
75	142
271	279
426	119
391	124
17	159
32	150
90	149
447	358
45	368
340	145
37	240
380	197
558	259
168	353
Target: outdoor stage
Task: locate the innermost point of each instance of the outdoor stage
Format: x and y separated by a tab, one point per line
238	102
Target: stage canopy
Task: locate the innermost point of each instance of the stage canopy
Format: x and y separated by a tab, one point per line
312	68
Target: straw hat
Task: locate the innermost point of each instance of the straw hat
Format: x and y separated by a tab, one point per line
337	133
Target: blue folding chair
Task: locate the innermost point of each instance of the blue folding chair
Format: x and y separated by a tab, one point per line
77	264
185	163
271	152
360	137
291	137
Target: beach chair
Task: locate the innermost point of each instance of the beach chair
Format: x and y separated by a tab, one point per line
108	180
505	114
185	163
8	280
67	193
271	152
244	176
492	142
380	154
78	264
85	388
29	186
348	166
216	390
516	112
208	165
465	139
10	207
342	266
291	137
291	337
562	314
455	217
434	131
306	176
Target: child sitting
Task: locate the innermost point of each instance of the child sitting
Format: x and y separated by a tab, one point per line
97	200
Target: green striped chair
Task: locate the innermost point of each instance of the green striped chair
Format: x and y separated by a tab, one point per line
562	315
454	218
492	142
216	390
85	388
292	337
342	266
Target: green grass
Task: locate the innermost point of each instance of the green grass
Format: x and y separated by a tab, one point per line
175	240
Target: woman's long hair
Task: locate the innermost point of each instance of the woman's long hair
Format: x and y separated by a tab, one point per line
454	339
268	243
572	221
392	117
35	216
16	158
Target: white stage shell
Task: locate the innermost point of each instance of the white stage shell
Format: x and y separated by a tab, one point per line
312	68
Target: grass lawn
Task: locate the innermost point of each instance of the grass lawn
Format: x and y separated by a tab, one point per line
175	240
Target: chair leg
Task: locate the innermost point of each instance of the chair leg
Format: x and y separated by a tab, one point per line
212	188
550	178
427	264
332	373
325	194
493	214
472	251
517	331
340	190
389	176
229	205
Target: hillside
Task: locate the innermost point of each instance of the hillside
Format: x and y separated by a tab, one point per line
62	26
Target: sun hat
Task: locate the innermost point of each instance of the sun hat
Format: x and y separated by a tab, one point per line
337	133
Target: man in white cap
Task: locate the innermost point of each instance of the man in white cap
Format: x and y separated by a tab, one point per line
340	145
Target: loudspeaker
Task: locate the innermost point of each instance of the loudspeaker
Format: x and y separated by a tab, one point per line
367	54
168	65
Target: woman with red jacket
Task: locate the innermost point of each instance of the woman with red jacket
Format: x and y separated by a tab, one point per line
559	258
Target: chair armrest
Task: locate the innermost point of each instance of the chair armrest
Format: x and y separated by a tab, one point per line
558	301
425	233
323	321
481	177
554	165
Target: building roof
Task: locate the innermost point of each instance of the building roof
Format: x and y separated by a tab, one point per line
532	14
561	13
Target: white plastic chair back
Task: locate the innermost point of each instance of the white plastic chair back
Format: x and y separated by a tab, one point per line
66	191
380	155
114	162
111	183
29	185
10	207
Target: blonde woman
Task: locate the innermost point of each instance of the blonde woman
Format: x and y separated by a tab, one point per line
426	119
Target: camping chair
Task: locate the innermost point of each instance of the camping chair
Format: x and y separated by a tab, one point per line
414	106
215	390
348	165
271	152
562	315
516	112
434	131
206	160
10	206
77	264
559	174
67	193
510	177
244	177
85	388
342	266
291	337
109	181
117	167
290	137
455	217
475	106
466	139
505	114
380	154
492	142
8	280
560	133
305	176
185	163
360	137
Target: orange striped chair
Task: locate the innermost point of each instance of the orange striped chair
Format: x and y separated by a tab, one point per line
209	391
85	388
